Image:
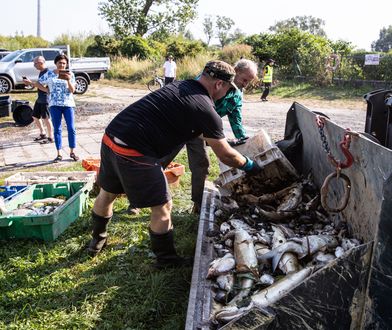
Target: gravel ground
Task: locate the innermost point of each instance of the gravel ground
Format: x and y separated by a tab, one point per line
97	107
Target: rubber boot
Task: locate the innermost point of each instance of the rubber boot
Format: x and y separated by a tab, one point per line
163	247
100	235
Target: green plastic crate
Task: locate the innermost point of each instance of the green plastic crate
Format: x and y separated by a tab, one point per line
46	227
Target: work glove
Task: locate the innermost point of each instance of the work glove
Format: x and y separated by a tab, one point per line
251	168
237	142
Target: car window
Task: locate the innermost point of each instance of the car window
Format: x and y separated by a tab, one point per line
50	54
30	55
11	57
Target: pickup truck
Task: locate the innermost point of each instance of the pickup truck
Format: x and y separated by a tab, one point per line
19	64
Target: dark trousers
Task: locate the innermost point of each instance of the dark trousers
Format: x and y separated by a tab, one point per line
266	90
198	164
168	80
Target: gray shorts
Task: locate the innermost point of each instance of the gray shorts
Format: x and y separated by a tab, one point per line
141	178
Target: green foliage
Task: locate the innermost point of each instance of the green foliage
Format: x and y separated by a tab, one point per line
384	42
104	45
79	43
208	28
180	47
140	17
21	42
304	23
232	53
134	46
223	25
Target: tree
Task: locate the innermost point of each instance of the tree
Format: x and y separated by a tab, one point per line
141	17
208	28
223	25
384	42
305	23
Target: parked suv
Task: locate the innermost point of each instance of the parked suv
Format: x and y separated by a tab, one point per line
19	64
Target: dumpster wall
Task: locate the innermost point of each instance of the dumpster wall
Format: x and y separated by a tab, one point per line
368	212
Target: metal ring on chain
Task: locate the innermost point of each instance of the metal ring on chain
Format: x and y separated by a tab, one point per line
324	192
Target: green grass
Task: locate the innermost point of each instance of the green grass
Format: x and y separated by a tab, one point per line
310	91
55	285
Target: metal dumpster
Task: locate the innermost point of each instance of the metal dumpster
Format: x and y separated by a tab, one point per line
352	292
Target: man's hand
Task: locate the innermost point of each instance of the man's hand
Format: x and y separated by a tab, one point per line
250	167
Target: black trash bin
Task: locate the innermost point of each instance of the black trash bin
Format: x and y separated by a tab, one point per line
377	114
16	103
5	106
23	115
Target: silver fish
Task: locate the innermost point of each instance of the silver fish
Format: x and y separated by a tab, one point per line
277	215
292	199
239	224
348	244
339	251
221	266
304	246
288	262
266	279
225	282
321	258
244	252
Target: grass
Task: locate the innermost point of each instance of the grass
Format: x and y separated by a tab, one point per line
55	285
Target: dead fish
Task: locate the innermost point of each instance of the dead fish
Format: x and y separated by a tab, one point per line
276	291
244	252
304	246
288	262
261	249
349	243
267	296
262	237
239	224
228	204
292	199
246	285
277	215
221	266
225	282
16	212
44	202
266	279
339	251
321	258
224	228
221	296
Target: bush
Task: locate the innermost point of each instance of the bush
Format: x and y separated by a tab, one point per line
181	47
79	43
233	53
135	46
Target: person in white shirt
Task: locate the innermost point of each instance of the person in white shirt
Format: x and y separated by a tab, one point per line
170	69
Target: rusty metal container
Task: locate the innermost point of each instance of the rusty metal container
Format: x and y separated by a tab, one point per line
351	292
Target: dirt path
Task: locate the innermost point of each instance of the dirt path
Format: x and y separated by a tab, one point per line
96	108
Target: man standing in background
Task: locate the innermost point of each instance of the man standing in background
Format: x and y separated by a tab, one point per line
41	105
268	71
170	69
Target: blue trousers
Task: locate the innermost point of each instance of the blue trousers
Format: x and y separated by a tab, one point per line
56	113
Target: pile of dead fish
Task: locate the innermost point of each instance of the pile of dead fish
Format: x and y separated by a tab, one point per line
36	207
268	243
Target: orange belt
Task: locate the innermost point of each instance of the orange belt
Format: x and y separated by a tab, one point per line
120	150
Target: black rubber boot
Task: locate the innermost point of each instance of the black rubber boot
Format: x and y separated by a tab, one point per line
100	235
163	247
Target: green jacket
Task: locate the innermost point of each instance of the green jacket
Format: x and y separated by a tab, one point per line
231	106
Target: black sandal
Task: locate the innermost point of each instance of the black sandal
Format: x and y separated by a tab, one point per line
73	156
40	138
59	158
48	140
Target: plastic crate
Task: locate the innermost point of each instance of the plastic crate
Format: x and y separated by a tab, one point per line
29	178
173	173
275	166
8	192
46	227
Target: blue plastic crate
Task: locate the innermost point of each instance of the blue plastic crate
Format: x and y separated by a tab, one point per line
9	192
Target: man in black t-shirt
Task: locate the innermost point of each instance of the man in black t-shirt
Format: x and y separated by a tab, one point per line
140	135
41	110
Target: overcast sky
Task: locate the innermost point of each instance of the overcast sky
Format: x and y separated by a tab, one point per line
354	21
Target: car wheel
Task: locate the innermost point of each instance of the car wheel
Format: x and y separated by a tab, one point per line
153	85
81	85
5	85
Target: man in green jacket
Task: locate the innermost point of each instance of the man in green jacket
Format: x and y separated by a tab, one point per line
230	106
268	71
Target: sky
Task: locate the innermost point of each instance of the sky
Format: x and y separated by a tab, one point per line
349	20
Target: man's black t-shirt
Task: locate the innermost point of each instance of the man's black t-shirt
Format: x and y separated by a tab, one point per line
167	118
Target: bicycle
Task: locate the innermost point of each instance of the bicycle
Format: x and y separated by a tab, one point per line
155	84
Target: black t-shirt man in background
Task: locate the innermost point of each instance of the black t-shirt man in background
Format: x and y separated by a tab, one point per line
139	136
41	110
